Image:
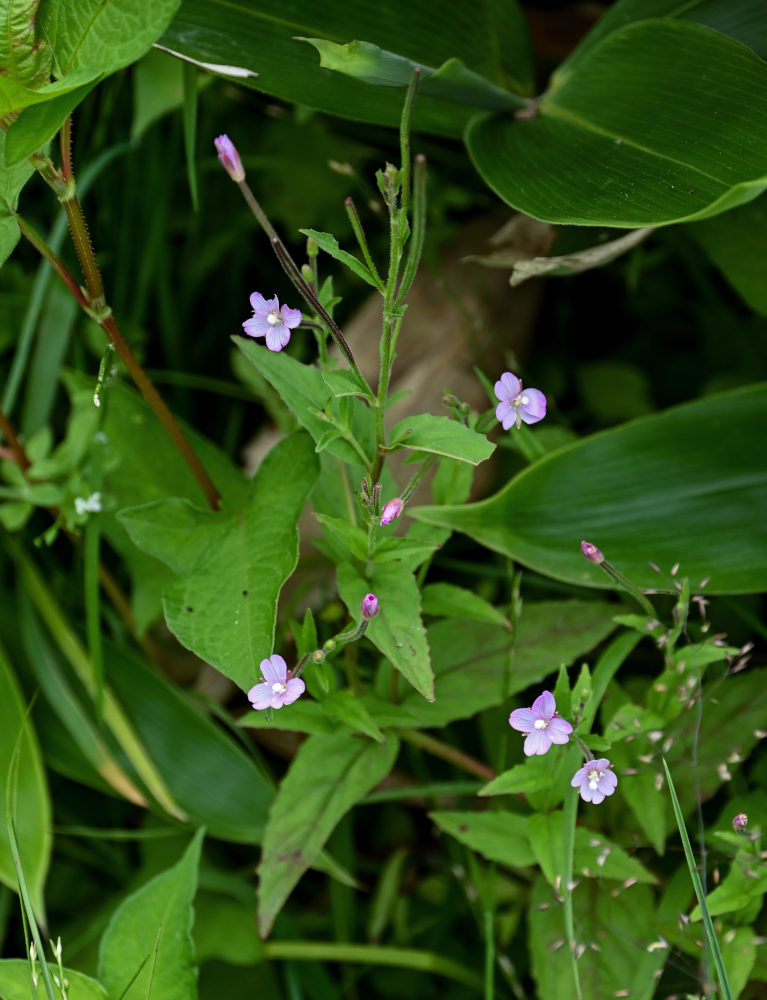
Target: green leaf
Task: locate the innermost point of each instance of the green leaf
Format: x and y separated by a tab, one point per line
742	885
441	436
15	97
475	668
15	983
448	601
350	710
327	777
226	928
301	717
491	40
231	567
37	124
12	180
32	818
24	57
497	836
397	630
451	81
328	243
624	168
105	37
149	934
688	485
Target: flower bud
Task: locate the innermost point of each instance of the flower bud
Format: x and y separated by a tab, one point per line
592	553
740	822
230	158
391	511
369	607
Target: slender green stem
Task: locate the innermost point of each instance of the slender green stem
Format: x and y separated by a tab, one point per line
9	435
628	586
439	749
418	231
569	816
404	139
415	482
45	251
359	232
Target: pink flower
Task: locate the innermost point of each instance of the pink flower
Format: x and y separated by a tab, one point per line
230	158
739	822
541	723
278	688
391	511
592	552
595	780
369	606
517	404
271	320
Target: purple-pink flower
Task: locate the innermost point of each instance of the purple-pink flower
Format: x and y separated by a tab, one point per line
391	511
277	688
271	320
230	158
739	822
541	723
518	404
592	553
369	607
595	780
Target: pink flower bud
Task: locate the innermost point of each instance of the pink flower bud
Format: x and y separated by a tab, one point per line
369	607
592	553
740	822
391	511
230	158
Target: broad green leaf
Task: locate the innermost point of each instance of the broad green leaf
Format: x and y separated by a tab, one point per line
478	665
15	96
305	393
328	243
225	927
613	932
355	540
497	836
397	630
40	122
12	180
736	242
32	818
660	150
214	781
491	40
326	778
448	601
231	567
302	716
149	936
15	983
346	707
688	485
743	884
451	81
23	56
441	436
739	954
104	37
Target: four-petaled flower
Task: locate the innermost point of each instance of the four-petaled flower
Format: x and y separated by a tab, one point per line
541	723
595	780
278	688
518	404
271	320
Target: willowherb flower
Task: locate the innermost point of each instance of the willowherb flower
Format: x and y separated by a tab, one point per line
369	607
271	320
230	158
277	688
739	822
592	553
518	404
541	723
595	780
391	511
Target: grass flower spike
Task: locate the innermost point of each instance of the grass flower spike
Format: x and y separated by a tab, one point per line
271	320
542	725
278	688
518	404
595	780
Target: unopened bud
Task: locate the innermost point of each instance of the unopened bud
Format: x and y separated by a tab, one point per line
592	553
369	607
739	822
330	645
307	274
318	656
230	158
391	511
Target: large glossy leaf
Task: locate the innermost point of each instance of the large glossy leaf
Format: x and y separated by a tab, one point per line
32	817
148	943
649	127
491	39
327	777
231	567
688	485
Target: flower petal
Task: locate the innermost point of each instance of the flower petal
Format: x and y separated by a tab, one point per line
597	796
505	413
296	688
579	777
508	386
544	706
274	670
559	730
534	407
537	742
290	317
256	326
260	696
608	780
522	719
261	305
277	337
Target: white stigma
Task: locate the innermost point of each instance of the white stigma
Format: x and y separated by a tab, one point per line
524	400
540	724
279	688
273	318
594	776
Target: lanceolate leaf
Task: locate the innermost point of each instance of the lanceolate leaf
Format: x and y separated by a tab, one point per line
625	139
231	567
328	776
688	485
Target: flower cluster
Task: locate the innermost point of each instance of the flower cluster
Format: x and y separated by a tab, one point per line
543	727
